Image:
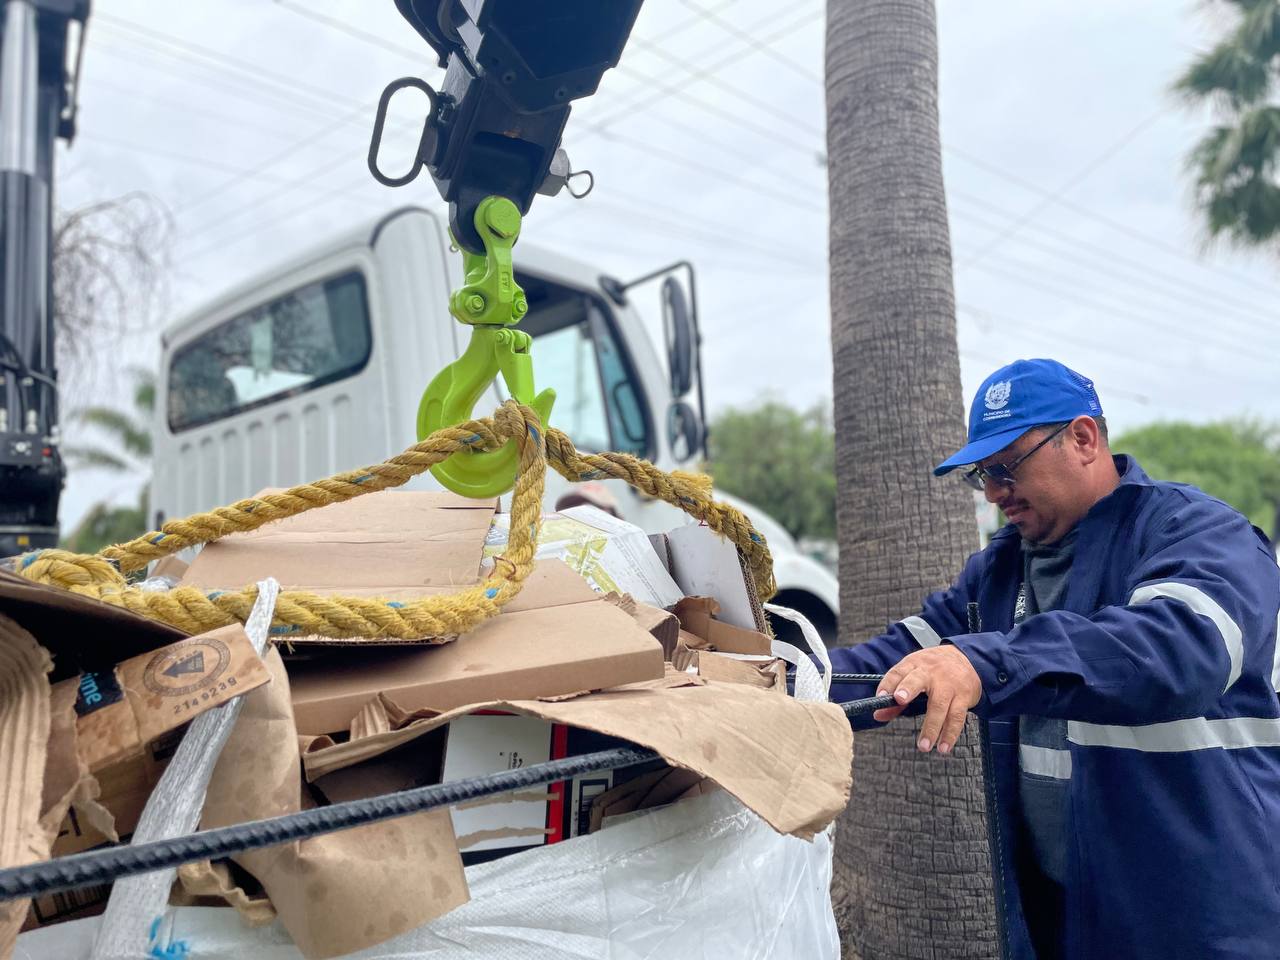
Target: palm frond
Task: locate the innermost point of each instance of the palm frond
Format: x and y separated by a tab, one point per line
135	438
1229	74
95	458
1259	30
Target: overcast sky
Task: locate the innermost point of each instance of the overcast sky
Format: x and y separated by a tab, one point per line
1063	156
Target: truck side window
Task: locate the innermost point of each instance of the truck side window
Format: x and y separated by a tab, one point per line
565	359
311	337
576	352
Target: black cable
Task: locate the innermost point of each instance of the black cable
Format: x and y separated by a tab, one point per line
106	865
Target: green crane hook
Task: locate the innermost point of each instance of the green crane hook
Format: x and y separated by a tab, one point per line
491	303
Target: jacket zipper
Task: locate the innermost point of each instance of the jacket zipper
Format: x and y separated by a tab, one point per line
995	847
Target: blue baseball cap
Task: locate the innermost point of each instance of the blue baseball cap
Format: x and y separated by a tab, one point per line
1025	394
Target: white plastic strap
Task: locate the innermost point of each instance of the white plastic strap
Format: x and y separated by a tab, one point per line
810	685
137	921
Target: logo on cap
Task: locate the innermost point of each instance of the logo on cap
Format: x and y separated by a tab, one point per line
998	394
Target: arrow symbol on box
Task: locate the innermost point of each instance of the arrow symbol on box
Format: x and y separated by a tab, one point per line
192	664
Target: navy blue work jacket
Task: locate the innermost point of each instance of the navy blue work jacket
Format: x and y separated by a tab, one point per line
1164	663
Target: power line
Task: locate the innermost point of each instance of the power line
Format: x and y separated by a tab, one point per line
1047	201
289	83
1246	326
1109	255
725	86
735	56
1053	199
1153	323
1118	225
755	43
1057	337
364	35
136	51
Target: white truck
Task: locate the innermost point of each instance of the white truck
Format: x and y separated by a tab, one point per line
318	365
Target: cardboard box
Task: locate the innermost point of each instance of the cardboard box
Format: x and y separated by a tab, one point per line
490	742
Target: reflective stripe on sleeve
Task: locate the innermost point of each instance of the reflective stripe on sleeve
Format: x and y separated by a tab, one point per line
925	635
1275	661
1205	606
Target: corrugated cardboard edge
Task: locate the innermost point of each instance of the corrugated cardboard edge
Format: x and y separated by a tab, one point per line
789	761
25	719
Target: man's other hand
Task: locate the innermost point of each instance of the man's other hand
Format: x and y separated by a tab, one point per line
947	677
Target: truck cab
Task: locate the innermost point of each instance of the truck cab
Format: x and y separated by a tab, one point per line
318	366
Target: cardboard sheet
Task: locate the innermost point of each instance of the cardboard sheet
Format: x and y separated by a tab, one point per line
394	544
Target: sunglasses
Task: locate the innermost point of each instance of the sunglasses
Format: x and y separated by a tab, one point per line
1002	473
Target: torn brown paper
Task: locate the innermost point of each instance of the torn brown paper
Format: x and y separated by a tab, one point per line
788	760
339	892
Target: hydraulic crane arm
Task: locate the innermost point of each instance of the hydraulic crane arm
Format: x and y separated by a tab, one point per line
37	108
512	69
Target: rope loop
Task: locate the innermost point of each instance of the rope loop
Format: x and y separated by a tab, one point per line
103	576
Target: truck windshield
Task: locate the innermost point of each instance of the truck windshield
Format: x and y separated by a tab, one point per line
313	336
577	353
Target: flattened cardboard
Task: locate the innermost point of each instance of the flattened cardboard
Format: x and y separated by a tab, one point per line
69	791
394	544
788	760
575	641
340	892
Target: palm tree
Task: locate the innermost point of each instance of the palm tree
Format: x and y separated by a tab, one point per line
131	451
1233	167
912	868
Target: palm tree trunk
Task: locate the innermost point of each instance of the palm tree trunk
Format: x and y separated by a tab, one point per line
912	869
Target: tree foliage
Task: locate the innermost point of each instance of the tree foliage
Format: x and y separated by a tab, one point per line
1234	165
110	266
781	460
1237	461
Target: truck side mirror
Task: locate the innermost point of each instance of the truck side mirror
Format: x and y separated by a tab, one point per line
684	431
681	343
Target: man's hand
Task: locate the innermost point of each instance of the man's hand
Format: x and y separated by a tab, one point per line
953	686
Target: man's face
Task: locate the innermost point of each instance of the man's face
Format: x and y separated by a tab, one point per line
1045	501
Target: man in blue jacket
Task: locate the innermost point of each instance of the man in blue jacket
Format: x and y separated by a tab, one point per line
1117	641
